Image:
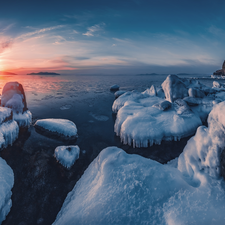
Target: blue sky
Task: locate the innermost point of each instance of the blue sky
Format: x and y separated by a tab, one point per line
112	37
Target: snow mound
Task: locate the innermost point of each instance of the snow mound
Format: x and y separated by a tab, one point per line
6	184
67	155
62	127
123	189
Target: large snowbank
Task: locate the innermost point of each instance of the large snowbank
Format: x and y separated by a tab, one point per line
6	184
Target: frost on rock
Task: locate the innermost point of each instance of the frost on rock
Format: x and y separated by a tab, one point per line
120	188
6	184
119	93
13	97
67	155
62	128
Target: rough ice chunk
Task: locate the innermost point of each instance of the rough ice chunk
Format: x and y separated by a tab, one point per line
196	93
62	127
6	184
115	87
118	188
151	91
174	88
67	155
164	105
118	93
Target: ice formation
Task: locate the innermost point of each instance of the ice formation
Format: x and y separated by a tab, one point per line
13	97
6	184
67	155
168	113
119	93
9	129
62	127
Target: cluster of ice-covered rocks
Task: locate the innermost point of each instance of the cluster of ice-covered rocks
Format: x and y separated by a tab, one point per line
120	188
169	112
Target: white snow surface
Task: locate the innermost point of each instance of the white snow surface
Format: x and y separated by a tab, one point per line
9	132
16	103
119	188
4	113
67	155
23	119
61	126
6	184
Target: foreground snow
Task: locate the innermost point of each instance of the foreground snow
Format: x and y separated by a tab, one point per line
169	112
67	155
6	184
118	188
62	127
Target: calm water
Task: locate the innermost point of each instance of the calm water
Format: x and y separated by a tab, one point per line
41	184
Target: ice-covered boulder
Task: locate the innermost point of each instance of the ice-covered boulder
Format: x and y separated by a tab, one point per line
140	123
114	87
57	128
164	105
13	96
120	188
196	93
119	93
6	184
67	155
9	129
174	88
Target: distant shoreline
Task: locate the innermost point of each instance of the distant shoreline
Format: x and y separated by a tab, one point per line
6	73
43	73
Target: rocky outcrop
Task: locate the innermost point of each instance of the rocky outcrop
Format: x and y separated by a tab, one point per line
220	72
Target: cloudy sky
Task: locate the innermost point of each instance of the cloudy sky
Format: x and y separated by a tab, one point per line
112	37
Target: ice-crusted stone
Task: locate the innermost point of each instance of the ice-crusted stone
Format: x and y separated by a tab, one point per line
217	84
13	97
181	107
67	155
151	91
119	93
57	128
193	101
196	93
174	88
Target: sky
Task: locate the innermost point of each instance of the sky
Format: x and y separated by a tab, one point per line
112	37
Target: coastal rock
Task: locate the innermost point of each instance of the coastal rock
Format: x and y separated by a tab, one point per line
119	93
115	87
67	155
57	128
220	72
13	97
174	88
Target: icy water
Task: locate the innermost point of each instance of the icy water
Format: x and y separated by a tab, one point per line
41	184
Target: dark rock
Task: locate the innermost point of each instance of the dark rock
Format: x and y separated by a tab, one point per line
114	88
220	72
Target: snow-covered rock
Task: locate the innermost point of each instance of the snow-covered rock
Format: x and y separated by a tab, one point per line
140	123
6	184
196	93
13	96
63	128
119	93
114	87
164	105
67	155
120	188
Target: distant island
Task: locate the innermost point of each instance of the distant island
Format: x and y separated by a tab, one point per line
6	73
146	74
43	73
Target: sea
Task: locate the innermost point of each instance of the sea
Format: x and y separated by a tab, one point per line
41	184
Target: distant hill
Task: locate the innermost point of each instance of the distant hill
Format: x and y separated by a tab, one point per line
146	74
43	73
6	73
